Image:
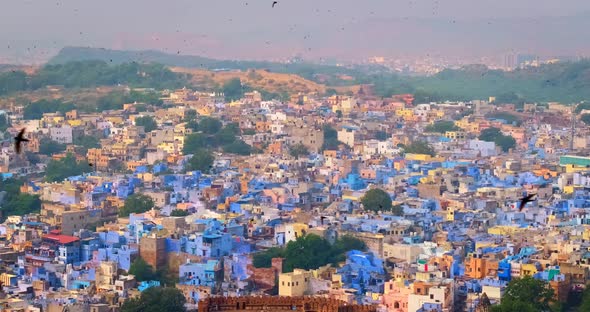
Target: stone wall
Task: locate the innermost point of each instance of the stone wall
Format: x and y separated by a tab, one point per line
315	304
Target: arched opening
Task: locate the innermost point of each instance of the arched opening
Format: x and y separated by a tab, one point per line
396	305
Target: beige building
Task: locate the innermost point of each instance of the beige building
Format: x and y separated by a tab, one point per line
68	218
296	283
311	137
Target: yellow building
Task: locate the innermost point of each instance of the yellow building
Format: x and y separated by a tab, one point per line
404	113
456	135
296	283
528	269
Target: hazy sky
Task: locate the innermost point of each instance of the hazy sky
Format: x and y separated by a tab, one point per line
252	29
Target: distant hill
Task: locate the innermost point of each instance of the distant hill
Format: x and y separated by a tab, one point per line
325	74
257	79
564	82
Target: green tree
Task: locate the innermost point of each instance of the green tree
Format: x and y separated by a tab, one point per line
210	125
20	205
87	142
14	202
526	294
227	135
154	299
344	244
4	122
147	122
238	147
381	135
136	203
330	138
331	91
233	89
58	170
506	142
585	304
194	142
50	147
202	160
441	126
419	147
397	210
298	150
35	110
142	270
586	119
377	200
307	252
490	134
179	213
190	115
12	81
264	259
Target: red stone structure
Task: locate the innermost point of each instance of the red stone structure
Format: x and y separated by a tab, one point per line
307	304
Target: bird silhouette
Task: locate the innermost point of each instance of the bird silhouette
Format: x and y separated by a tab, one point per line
18	140
274	3
525	200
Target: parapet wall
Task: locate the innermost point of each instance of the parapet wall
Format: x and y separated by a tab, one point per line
315	304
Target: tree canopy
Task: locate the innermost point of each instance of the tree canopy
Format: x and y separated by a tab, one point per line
16	203
59	170
330	138
136	203
233	89
35	110
298	150
210	125
419	147
442	126
238	147
526	294
506	142
179	213
147	122
87	142
154	299
377	200
309	252
4	122
50	147
202	160
142	270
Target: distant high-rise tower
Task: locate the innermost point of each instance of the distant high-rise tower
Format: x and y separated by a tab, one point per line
510	61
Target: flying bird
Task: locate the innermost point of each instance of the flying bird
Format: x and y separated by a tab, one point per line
525	200
274	3
18	140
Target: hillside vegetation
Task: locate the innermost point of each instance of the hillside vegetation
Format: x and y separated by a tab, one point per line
84	68
256	79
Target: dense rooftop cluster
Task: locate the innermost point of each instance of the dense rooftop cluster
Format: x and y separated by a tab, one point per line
380	202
